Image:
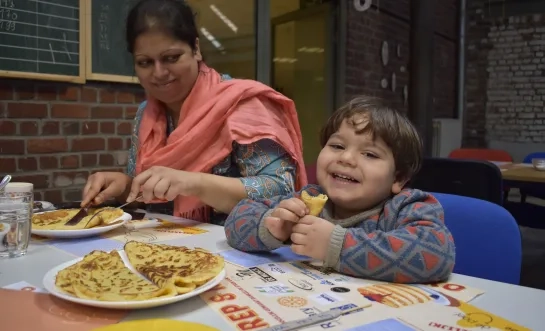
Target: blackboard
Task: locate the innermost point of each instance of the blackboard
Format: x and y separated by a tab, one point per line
109	59
42	39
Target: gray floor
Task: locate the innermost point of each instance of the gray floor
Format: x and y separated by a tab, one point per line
533	248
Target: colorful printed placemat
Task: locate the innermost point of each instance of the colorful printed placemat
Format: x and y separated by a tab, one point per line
149	230
154	230
253	298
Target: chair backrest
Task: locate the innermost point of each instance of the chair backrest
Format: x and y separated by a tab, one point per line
487	238
481	154
538	155
311	173
470	178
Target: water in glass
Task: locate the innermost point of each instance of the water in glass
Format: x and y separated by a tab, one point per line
15	219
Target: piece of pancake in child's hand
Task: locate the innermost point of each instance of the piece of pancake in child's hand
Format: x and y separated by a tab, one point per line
314	204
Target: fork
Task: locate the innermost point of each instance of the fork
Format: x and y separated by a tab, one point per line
139	196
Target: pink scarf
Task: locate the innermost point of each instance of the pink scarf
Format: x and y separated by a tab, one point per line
215	114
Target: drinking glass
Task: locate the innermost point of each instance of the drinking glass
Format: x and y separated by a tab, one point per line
15	219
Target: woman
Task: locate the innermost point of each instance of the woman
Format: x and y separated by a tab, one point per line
201	139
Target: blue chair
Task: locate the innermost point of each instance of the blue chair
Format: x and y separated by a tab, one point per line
487	238
532	189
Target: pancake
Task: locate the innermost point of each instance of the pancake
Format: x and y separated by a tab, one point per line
56	219
103	276
314	204
166	265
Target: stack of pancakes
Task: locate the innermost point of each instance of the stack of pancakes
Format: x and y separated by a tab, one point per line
163	271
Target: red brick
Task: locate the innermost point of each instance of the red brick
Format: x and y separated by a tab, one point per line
46	92
125	97
7	128
53	196
124	128
6	91
63	110
29	128
115	144
26	110
72	195
107	96
139	97
46	145
39	181
27	164
89	128
106	160
70	128
25	92
69	178
48	162
107	112
70	93
108	170
88	144
8	165
107	127
12	146
89	160
89	94
130	112
70	162
128	143
50	128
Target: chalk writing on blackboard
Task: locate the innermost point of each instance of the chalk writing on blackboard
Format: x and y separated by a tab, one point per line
103	21
40	36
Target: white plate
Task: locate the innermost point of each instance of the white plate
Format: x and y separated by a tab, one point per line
49	285
45	206
82	232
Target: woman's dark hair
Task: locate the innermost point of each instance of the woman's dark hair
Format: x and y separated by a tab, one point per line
173	17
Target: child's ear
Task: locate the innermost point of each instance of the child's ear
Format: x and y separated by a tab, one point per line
398	185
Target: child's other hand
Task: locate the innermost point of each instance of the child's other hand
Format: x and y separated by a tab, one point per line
283	217
310	237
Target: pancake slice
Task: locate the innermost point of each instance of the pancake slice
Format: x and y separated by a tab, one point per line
57	219
167	266
314	204
103	276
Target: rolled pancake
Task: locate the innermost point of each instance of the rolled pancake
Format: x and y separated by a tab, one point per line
166	265
56	219
314	204
103	276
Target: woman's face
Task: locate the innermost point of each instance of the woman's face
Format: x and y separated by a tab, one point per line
166	67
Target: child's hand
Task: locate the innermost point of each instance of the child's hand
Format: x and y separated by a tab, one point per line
310	237
282	219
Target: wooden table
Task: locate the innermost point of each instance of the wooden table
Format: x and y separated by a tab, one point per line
522	172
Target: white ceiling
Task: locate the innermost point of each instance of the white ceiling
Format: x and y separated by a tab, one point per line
239	12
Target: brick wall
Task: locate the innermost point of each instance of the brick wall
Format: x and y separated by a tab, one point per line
54	135
505	80
389	20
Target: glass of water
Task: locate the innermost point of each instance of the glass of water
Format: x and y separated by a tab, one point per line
15	223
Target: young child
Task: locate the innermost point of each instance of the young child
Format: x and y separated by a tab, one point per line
371	225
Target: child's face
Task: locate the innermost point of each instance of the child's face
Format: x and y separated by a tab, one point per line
356	171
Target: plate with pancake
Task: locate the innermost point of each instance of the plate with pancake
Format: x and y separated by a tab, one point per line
142	275
52	224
